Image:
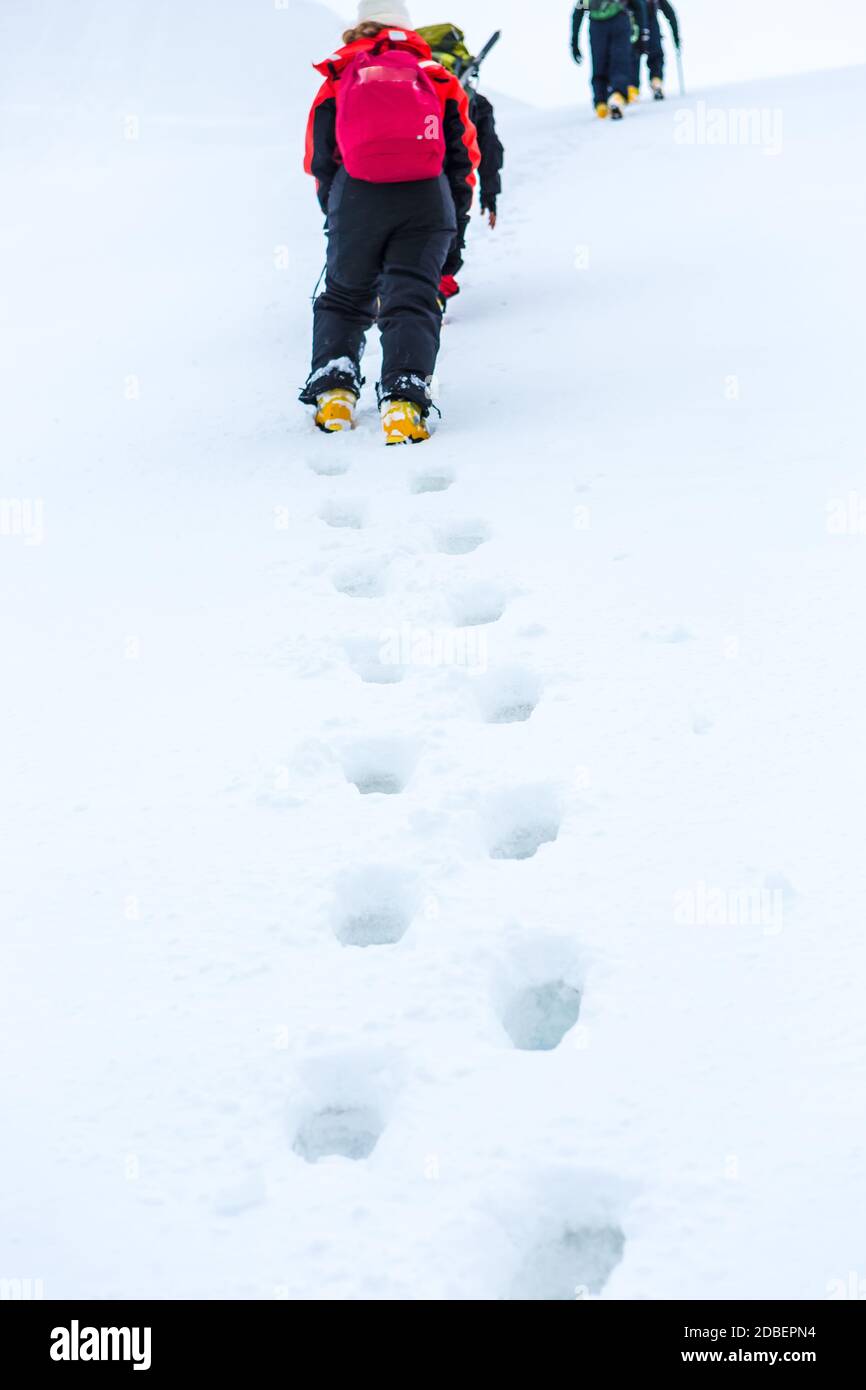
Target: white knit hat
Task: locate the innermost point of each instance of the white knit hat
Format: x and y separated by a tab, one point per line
384	12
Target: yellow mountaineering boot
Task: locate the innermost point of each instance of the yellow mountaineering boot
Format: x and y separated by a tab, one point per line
601	110
633	94
616	103
335	410
403	422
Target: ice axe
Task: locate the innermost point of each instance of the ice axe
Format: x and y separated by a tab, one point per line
470	72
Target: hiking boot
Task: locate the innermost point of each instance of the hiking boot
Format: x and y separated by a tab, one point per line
335	410
403	422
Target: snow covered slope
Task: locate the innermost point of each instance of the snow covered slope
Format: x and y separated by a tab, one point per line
340	787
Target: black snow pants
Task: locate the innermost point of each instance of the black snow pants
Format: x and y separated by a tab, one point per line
656	54
610	45
387	244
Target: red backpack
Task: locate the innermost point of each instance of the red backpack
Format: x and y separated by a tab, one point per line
389	119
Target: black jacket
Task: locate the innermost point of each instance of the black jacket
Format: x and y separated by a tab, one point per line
670	15
638	9
492	152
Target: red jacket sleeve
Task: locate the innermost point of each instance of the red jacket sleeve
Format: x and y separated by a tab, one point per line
470	134
462	155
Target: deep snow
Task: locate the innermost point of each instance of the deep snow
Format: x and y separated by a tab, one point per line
437	876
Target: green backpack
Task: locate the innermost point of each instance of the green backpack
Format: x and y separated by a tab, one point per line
447	44
604	9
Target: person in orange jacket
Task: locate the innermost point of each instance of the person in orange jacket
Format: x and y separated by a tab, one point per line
394	154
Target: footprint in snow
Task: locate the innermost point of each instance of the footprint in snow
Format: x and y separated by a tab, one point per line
339	1131
362	579
538	1017
520	821
343	512
437	479
576	1262
382	765
508	696
461	537
474	605
331	462
373	662
374	906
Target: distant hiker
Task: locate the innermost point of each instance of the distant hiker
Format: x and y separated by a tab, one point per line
448	45
655	50
394	154
610	40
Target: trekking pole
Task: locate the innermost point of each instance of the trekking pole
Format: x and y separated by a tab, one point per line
318	283
682	79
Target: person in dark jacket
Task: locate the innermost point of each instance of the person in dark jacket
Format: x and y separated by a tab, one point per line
492	153
388	242
610	39
655	52
447	43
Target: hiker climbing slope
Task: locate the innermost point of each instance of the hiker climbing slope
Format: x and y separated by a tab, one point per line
610	40
448	45
655	54
394	154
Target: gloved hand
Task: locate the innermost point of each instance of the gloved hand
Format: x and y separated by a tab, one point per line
448	287
577	56
488	205
454	259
